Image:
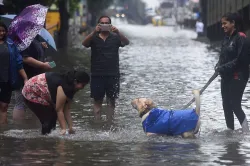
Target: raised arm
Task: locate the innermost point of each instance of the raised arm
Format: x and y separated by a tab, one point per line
86	42
124	39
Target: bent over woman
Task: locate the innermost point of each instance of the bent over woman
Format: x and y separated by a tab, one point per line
49	95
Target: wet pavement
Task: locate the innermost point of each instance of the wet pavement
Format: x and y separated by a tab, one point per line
161	64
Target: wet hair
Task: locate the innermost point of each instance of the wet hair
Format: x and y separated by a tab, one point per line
5	27
74	75
104	17
236	18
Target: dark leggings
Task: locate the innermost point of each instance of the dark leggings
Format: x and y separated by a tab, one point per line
46	114
232	91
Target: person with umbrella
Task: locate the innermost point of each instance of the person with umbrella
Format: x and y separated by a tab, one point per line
34	64
24	30
11	71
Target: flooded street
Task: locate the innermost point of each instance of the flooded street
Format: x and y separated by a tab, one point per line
161	64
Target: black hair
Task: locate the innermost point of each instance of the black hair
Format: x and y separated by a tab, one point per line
104	17
236	18
6	29
71	76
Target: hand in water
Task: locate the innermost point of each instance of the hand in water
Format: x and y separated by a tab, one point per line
63	132
71	131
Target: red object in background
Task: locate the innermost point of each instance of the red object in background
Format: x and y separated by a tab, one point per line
236	75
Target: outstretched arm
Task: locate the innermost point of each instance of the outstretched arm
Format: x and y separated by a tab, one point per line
68	117
60	103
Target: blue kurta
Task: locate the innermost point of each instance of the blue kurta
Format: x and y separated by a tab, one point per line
170	122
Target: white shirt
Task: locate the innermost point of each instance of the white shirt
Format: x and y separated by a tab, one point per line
199	26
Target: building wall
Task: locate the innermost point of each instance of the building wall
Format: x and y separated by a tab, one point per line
213	10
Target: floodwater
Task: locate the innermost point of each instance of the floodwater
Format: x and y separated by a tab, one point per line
162	64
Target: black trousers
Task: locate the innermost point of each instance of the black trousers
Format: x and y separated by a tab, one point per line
232	90
46	114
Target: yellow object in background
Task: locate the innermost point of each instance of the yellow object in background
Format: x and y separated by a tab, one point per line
157	22
53	22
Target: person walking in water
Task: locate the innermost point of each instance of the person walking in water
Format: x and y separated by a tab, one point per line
105	41
233	69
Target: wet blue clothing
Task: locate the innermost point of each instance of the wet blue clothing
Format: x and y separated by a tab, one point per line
170	122
16	64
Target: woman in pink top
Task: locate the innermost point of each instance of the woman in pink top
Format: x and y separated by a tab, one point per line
49	95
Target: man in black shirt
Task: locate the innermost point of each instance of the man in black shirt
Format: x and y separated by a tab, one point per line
105	41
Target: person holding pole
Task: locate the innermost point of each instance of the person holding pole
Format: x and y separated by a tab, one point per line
233	69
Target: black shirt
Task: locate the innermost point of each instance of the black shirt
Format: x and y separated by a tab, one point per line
4	62
54	80
233	55
105	55
36	51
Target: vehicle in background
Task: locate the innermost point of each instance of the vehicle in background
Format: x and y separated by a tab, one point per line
157	20
120	12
